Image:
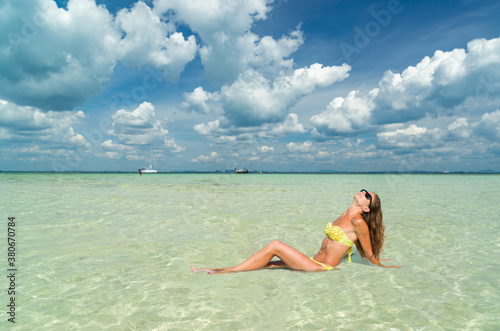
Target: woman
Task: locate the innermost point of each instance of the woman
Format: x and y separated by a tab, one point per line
361	225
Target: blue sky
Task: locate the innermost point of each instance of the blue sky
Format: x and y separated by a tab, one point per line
265	85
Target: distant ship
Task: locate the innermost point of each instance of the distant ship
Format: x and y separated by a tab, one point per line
149	170
241	171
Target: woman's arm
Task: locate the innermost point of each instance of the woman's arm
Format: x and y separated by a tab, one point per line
363	234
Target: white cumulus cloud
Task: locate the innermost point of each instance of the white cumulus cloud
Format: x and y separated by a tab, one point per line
489	125
412	136
266	149
149	40
53	58
56	58
27	124
213	157
140	127
253	99
289	126
304	147
223	27
446	83
344	115
460	128
198	100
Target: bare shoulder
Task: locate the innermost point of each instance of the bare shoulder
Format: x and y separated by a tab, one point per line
359	225
358	222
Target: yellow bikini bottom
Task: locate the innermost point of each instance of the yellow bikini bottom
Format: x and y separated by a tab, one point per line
326	267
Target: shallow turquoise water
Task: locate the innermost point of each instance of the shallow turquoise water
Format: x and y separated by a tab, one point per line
112	251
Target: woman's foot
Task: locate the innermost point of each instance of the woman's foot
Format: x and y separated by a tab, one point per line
200	270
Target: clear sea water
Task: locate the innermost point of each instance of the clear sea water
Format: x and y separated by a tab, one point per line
112	251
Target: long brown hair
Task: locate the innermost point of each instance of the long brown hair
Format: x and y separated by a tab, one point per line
376	227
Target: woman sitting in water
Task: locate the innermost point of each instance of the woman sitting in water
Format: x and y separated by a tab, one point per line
361	225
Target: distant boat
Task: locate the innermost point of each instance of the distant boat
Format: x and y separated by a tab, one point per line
241	171
149	170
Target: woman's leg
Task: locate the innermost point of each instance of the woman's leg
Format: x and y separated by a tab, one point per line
271	265
275	264
291	257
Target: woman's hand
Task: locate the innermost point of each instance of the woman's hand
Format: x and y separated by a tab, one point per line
376	261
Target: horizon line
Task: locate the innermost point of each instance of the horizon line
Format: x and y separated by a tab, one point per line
483	172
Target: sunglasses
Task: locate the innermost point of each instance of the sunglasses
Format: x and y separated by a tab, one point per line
368	196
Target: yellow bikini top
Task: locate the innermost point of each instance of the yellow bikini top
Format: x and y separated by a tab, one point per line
336	233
